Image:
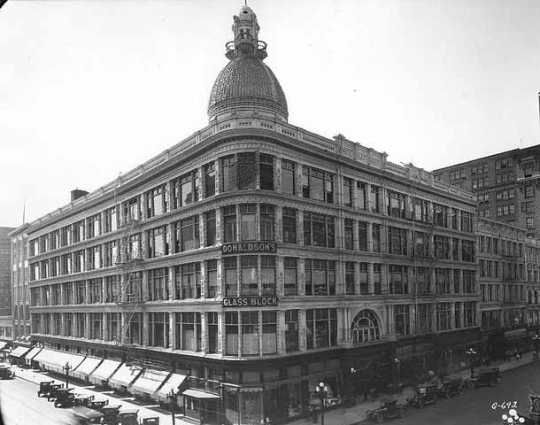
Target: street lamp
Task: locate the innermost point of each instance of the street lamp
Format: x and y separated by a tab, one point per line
67	367
397	373
172	403
471	353
322	392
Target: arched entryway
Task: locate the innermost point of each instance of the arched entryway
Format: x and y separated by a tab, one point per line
365	327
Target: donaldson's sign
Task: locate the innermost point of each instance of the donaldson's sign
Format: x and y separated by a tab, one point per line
245	247
269	301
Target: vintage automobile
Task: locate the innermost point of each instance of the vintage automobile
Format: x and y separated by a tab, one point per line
6	372
44	388
128	417
64	398
53	391
154	420
98	404
387	410
487	376
425	395
83	399
86	416
110	414
451	387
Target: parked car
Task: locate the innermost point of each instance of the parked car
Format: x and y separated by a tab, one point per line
6	372
425	395
83	399
387	410
487	376
110	414
44	388
97	404
154	420
451	387
64	398
86	416
128	417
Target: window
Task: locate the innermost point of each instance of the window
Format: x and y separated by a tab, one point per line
210	219
249	328
229	223
289	225
213	332
365	327
158	329
96	325
131	211
363	279
94	291
442	281
443	316
318	185
248	219
421	210
469	314
110	254
374	198
288	177
442	247
65	232
249	280
267	222
376	237
269	332
397	241
78	234
396	204
188	331
399	280
349	233
401	320
423	318
421	244
321	328
423	281
247	170
361	196
158	245
229	170
320	277
291	331
349	278
440	215
362	236
231	276
231	333
467	251
268	274
266	171
156	201
347	192
190	275
110	220
466	222
189	233
209	179
112	289
211	278
319	230
468	282
290	276
158	288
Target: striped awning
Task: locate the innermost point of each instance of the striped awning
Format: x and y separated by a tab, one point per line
19	351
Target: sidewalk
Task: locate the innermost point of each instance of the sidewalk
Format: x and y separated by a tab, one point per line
358	413
144	412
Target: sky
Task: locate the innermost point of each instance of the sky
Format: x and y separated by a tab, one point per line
90	89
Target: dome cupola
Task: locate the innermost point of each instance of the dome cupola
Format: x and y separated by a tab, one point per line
246	84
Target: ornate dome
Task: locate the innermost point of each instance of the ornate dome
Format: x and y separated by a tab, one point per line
246	83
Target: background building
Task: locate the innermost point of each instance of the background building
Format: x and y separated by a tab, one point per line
5	287
505	185
259	259
20	293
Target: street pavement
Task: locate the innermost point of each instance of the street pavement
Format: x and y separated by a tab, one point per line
21	406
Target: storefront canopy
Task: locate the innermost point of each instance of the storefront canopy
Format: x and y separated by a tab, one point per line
149	381
19	351
104	371
124	376
2	345
201	395
56	361
31	355
171	384
86	367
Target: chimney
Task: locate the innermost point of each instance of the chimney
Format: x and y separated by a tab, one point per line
77	193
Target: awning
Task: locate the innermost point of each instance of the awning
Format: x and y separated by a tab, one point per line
55	361
104	371
29	357
124	376
171	384
2	344
19	351
149	381
86	367
200	395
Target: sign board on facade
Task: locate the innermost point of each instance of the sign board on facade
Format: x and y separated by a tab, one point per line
267	301
248	247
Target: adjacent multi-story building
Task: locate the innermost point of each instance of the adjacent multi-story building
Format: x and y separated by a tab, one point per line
259	259
20	292
505	185
5	287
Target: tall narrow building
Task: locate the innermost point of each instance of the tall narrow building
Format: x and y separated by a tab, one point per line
254	260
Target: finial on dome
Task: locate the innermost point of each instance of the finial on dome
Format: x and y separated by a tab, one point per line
246	35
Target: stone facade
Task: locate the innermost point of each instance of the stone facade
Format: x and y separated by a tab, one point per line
20	293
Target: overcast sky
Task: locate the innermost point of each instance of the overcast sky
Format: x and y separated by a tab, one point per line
91	88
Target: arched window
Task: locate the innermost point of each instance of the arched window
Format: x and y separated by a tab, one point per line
365	327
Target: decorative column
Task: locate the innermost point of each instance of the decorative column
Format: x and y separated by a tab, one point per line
219	226
221	333
145	327
277	175
278	224
281	348
298	179
371	281
220	290
144	282
340	278
172	330
217	168
204	336
356	278
412	318
370	236
105	327
86	291
303	328
301	281
202	231
87	325
280	281
202	277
